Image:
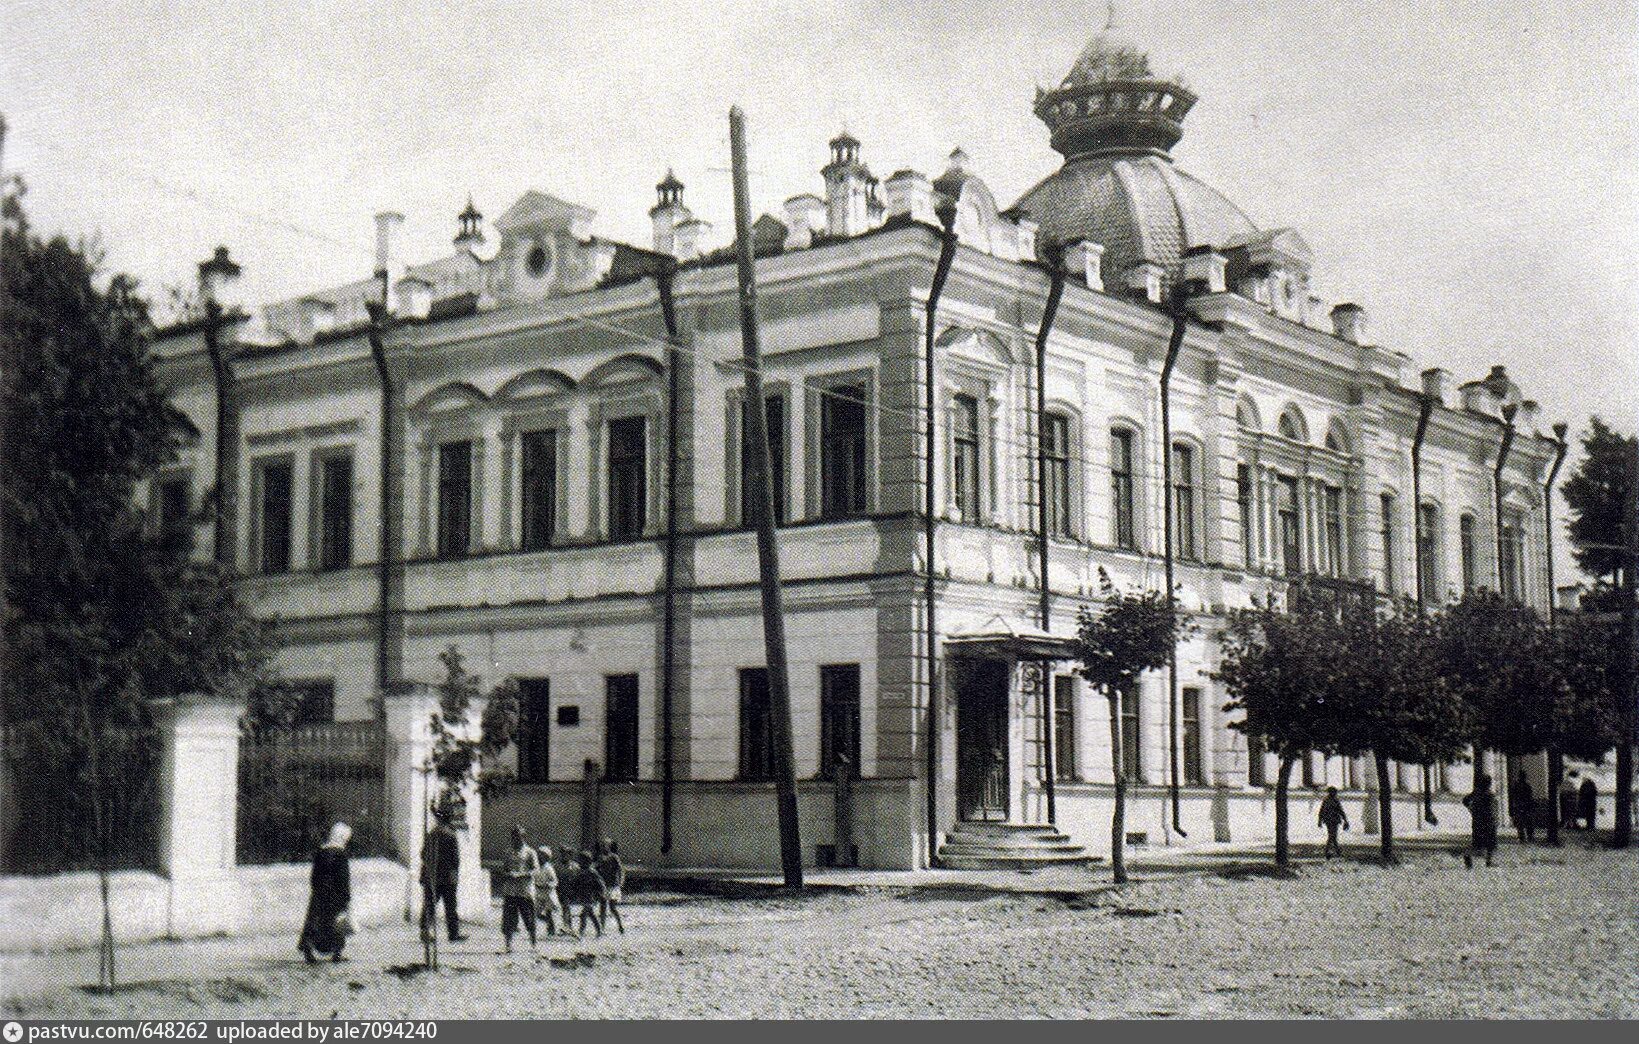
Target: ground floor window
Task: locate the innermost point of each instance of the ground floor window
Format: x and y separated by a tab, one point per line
1194	767
1131	767
1064	727
534	730
839	719
1255	753
620	728
756	725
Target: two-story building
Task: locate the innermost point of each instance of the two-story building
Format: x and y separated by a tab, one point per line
536	456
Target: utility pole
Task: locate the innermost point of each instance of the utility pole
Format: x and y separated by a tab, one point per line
1556	759
1628	696
6	366
760	497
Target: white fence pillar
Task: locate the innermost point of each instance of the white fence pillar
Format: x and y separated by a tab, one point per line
410	788
199	811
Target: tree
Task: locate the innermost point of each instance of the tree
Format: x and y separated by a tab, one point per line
1281	668
1129	634
1604	528
1398	704
109	611
1596	494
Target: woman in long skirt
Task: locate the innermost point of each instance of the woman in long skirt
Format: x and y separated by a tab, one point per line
332	892
1483	807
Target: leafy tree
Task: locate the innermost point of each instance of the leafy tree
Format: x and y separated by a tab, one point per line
1129	634
1601	495
109	612
1597	494
463	755
1281	668
1400	706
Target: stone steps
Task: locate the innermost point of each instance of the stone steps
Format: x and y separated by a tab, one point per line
1009	846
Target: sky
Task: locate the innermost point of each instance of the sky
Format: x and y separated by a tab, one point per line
1465	169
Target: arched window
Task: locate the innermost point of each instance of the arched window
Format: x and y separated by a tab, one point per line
1056	479
1337	438
1246	414
1428	564
1291	425
1388	513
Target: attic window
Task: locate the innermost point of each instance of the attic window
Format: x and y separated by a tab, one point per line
536	260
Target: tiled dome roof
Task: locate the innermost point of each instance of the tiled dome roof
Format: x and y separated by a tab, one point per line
1138	207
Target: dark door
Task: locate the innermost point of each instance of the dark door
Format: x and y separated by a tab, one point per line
981	739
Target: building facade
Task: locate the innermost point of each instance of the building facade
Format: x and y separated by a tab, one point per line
535	454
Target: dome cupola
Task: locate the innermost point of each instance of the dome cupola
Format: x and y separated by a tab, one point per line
1113	101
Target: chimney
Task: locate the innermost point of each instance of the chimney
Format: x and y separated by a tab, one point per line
219	281
1497	381
668	213
414	296
1088	259
1026	229
1204	270
1144	280
805	215
910	193
847	188
389	251
686	238
1349	323
1530	411
1437	385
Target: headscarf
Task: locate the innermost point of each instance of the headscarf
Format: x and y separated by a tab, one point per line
340	834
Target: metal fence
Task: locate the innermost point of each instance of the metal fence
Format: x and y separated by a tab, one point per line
294	784
65	806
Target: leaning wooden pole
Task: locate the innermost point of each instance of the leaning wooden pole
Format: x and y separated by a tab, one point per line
760	497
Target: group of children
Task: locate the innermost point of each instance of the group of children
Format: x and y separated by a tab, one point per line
532	888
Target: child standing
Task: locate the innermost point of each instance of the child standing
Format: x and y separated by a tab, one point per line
613	872
547	903
518	889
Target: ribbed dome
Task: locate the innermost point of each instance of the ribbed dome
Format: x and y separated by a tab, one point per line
1138	207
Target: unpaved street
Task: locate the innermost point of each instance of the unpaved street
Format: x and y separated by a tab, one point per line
1546	933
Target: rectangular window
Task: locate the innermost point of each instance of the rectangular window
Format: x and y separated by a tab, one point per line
273	481
839	720
1132	756
1194	765
336	511
774	417
538	487
1512	560
620	728
1122	509
1064	728
1183	501
1307	763
628	477
1465	538
1244	497
1332	503
756	725
314	703
1351	773
1428	529
1386	507
454	499
1056	431
965	443
1291	533
534	730
842	451
1256	752
175	512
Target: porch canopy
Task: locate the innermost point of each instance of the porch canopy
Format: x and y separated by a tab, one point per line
999	639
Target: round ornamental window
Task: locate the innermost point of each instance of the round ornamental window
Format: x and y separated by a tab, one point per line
536	260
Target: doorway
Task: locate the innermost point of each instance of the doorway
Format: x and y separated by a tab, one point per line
981	739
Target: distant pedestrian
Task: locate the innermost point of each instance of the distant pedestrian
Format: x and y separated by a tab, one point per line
547	903
328	921
585	892
1522	808
1333	818
613	872
1587	801
1482	806
1567	799
518	889
440	876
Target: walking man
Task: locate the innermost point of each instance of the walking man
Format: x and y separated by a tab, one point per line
1587	802
518	889
1522	808
1482	806
1333	818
